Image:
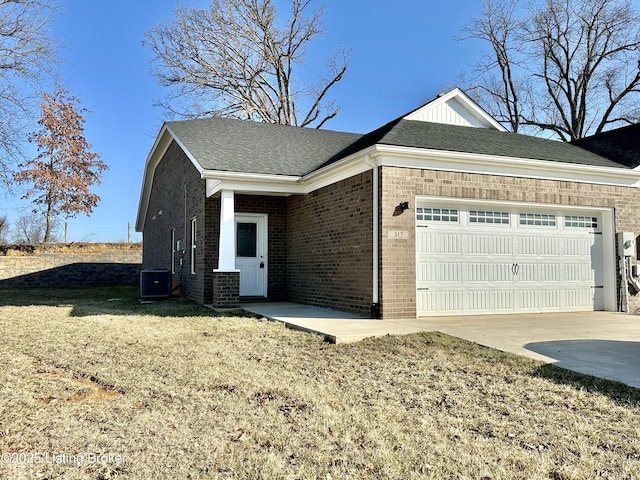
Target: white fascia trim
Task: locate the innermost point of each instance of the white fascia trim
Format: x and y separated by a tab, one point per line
186	151
419	158
251	183
287	184
261	188
158	150
340	170
505	166
249	177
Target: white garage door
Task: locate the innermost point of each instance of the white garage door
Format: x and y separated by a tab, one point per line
479	259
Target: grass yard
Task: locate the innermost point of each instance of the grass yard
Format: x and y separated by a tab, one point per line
97	386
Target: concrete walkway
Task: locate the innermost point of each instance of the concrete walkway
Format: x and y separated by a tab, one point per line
603	344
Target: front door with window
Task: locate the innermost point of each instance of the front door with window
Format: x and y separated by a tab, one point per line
251	254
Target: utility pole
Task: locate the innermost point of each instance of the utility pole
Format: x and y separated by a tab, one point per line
128	232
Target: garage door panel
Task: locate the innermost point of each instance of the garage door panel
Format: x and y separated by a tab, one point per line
549	300
537	246
528	300
579	298
502	245
478	272
478	245
527	246
579	272
549	247
520	263
537	272
579	247
449	244
503	300
426	272
489	272
449	302
425	241
490	301
479	301
450	272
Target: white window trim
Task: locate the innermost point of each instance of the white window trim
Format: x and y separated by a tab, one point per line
173	250
194	226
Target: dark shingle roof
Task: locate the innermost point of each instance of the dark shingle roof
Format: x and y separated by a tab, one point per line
483	141
252	147
244	146
621	145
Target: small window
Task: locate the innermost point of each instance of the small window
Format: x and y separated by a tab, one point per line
578	221
247	240
193	245
487	217
538	219
437	214
173	250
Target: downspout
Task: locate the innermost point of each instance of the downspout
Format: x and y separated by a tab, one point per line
375	305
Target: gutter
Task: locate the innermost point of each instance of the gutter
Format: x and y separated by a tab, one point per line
375	305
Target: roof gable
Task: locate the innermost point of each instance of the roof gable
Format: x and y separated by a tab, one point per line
455	108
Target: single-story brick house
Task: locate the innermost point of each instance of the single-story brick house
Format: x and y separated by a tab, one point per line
439	212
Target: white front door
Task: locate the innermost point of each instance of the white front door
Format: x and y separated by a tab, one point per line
251	254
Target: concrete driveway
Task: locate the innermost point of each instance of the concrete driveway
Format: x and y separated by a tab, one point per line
603	344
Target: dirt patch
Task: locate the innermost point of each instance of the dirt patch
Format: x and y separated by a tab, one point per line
37	250
84	389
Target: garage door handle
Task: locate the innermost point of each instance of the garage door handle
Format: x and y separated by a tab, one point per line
515	268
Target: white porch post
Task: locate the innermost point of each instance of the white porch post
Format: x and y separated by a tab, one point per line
227	246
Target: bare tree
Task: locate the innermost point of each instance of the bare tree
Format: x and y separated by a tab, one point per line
569	67
26	53
65	167
28	230
239	59
4	229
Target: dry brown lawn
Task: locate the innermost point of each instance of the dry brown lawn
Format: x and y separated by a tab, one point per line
97	386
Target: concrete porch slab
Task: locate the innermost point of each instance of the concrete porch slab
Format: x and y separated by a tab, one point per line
335	326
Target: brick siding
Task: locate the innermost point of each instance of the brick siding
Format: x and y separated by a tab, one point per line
330	244
178	189
398	269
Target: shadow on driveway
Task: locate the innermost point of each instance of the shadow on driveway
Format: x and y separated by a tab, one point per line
613	359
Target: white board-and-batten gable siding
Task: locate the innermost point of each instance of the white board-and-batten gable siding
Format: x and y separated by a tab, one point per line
454	108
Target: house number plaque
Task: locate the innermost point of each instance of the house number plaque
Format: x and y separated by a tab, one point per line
398	234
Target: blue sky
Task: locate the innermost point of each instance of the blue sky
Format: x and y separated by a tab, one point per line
402	54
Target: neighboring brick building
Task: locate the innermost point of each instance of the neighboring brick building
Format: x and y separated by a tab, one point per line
438	212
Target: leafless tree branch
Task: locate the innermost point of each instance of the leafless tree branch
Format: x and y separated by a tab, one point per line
239	59
578	58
